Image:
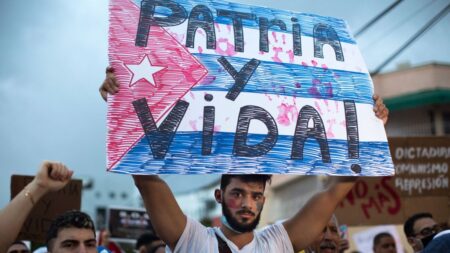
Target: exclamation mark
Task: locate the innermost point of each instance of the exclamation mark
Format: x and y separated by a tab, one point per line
352	133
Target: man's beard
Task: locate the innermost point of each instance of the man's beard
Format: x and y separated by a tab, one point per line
235	224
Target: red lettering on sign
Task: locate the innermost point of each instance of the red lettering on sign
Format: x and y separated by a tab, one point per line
378	198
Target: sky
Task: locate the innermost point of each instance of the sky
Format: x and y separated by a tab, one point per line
54	55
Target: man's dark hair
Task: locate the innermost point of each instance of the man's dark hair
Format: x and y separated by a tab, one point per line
408	227
145	239
377	238
69	219
247	178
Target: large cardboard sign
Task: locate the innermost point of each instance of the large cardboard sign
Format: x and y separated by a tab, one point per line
421	184
127	224
219	87
45	211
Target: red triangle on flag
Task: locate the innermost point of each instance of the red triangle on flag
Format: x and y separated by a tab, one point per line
167	69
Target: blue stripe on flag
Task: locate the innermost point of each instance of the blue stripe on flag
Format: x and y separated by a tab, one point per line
184	157
289	80
306	21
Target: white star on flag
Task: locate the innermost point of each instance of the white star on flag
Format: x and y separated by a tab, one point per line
144	70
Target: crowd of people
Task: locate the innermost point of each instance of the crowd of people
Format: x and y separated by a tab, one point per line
313	229
242	198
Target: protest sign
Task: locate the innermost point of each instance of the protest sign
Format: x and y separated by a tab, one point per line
421	165
127	224
219	87
420	185
45	211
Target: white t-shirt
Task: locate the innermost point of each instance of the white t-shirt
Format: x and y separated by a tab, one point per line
200	239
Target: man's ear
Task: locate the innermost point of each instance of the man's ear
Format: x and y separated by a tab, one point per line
218	196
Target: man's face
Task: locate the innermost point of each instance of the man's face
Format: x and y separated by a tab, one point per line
18	248
242	204
386	245
423	227
328	240
79	240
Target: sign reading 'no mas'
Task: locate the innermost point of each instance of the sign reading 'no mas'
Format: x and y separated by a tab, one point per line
218	87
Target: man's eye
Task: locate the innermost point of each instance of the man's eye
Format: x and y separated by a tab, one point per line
91	245
236	194
68	245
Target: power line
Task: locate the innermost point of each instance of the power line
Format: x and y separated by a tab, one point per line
402	22
425	28
375	19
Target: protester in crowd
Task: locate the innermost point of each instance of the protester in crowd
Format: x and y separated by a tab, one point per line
18	247
103	241
150	243
105	245
51	177
329	240
242	199
419	229
384	243
72	231
439	244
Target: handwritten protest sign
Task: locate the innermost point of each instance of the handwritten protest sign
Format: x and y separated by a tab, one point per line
127	224
45	211
421	165
421	184
218	87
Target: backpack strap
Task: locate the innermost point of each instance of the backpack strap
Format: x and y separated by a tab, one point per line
223	246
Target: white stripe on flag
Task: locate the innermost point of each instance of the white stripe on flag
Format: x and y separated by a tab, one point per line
284	110
225	46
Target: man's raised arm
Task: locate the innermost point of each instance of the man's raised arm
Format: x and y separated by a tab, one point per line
307	224
165	214
51	177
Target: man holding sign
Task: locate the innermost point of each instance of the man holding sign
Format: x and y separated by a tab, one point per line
313	114
242	198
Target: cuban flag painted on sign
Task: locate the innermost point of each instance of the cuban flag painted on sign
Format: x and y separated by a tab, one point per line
218	87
